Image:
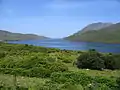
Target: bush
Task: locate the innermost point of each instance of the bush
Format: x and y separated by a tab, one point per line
39	72
72	78
2	54
68	86
105	81
117	61
67	60
33	72
110	62
58	67
91	59
95	60
118	82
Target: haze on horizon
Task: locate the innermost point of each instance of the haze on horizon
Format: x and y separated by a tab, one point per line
55	18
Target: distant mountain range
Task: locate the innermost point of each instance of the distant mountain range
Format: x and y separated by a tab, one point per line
98	32
6	35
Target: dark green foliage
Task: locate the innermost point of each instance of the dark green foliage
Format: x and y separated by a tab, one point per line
39	72
118	82
91	59
110	62
88	82
71	77
117	61
106	81
2	54
98	61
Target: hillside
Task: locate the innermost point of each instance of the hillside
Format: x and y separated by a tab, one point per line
110	34
96	26
93	26
27	67
6	35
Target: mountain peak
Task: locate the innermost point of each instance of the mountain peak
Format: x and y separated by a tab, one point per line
96	26
98	32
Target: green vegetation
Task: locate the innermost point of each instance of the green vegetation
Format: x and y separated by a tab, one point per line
97	61
27	67
109	34
5	35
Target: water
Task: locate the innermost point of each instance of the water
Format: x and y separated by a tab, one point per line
69	45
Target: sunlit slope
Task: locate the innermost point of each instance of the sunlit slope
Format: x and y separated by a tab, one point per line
109	34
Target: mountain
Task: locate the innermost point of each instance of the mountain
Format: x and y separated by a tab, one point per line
6	35
107	34
96	26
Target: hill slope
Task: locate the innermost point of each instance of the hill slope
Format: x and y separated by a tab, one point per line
5	35
96	26
110	34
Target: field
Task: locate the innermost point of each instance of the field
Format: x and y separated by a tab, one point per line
27	67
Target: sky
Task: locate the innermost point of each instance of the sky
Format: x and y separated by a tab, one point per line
55	18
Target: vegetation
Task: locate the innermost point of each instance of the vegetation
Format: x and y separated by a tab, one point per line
98	61
108	34
5	35
27	67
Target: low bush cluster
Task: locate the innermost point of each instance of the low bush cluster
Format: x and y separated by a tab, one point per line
98	61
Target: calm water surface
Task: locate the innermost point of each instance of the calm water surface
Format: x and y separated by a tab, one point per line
69	45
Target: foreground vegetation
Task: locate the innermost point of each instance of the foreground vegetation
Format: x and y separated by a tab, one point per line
27	67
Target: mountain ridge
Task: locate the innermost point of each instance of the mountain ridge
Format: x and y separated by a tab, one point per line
109	34
7	35
96	26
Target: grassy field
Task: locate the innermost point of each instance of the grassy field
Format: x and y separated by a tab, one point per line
106	73
38	68
33	83
27	82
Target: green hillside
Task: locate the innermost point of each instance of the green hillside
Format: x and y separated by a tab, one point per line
109	34
27	67
5	35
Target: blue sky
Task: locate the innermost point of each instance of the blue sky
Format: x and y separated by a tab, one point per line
55	18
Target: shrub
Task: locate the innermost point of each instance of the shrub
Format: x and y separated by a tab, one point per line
68	86
118	82
110	62
67	60
117	61
105	81
72	78
58	67
2	54
39	72
91	59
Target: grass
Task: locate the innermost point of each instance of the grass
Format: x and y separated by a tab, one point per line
33	83
106	73
13	56
8	81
